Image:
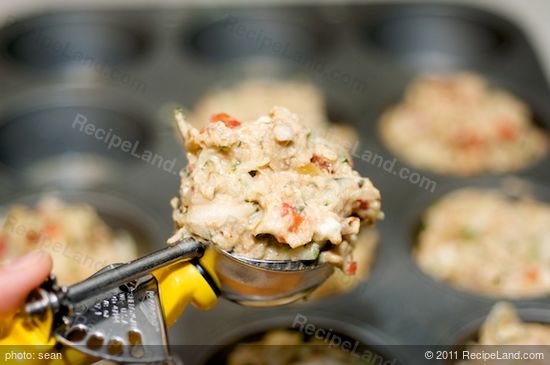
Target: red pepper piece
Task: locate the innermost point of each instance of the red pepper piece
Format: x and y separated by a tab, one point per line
297	219
322	162
506	132
226	119
352	269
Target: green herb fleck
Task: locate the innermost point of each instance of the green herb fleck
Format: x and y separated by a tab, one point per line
468	233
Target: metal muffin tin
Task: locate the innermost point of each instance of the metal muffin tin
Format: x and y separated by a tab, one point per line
126	70
362	340
468	332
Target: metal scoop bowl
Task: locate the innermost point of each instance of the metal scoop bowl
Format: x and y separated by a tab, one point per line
267	283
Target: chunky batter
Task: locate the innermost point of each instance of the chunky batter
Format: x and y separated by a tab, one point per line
487	242
78	240
271	189
286	347
457	124
506	332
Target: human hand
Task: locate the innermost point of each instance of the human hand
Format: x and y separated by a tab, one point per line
19	277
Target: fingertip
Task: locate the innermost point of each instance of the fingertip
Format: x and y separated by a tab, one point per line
33	260
44	263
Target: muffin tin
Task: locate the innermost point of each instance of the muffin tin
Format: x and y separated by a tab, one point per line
362	341
468	332
125	70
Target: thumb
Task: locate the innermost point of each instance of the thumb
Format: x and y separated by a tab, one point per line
19	277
